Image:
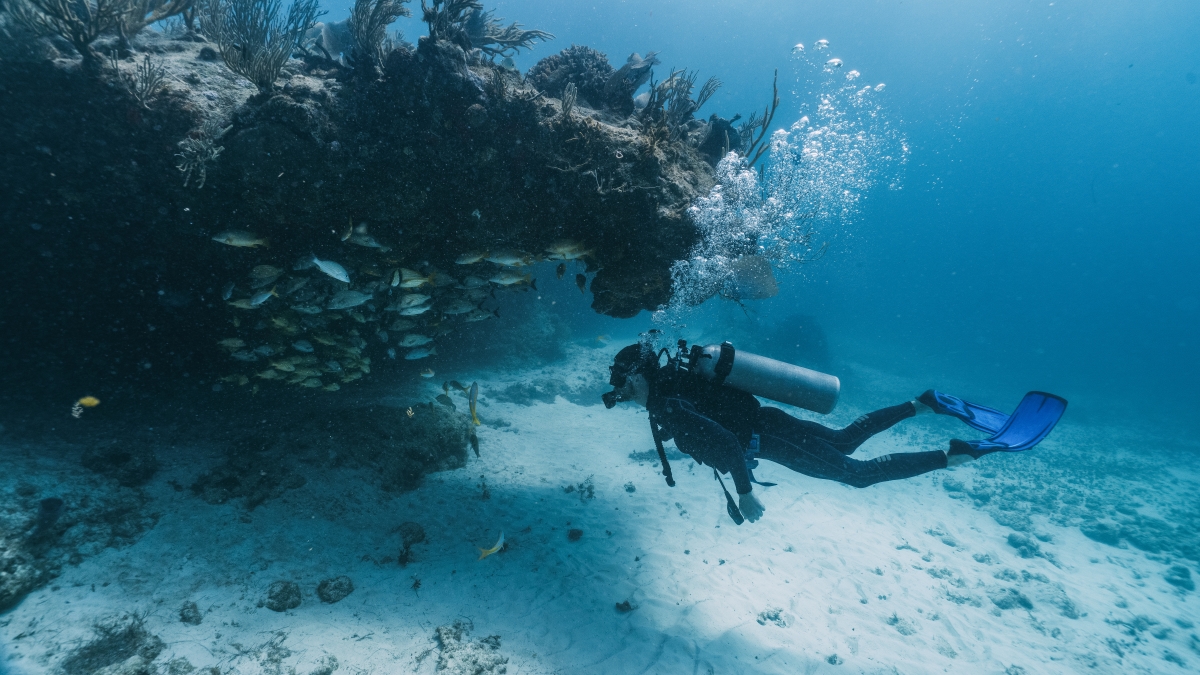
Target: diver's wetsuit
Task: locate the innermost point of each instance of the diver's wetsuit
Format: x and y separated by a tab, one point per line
714	424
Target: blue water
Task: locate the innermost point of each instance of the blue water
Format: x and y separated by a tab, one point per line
1017	209
1046	216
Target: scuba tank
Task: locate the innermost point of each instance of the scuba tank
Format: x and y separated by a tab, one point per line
765	377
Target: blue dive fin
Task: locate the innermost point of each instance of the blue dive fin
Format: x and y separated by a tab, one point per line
983	418
1031	422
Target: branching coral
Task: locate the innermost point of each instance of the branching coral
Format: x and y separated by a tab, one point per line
465	23
144	82
368	24
80	22
670	105
755	128
198	151
254	37
141	13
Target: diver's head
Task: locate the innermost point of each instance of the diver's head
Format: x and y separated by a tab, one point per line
630	375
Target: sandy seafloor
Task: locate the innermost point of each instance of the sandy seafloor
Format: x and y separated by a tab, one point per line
917	576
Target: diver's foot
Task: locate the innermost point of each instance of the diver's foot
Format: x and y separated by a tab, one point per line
920	408
957	460
961	452
929	400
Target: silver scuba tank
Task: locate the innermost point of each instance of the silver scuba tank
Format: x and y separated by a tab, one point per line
766	377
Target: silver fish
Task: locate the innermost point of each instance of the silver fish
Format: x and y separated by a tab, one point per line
473	282
261	297
367	241
265	272
414	340
227	292
262	283
347	299
412	300
458	307
414	311
420	353
401	325
264	350
331	268
510	278
240	238
510	258
382	335
480	315
245	356
303	346
307	309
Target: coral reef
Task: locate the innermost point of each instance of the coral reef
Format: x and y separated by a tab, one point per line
42	532
282	596
121	645
395	173
335	590
463	656
589	70
129	467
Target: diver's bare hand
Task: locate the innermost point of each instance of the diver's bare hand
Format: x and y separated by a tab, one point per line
750	507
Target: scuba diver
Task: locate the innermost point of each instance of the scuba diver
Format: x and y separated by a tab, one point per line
705	400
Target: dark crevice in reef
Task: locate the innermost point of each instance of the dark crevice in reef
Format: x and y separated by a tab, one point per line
109	268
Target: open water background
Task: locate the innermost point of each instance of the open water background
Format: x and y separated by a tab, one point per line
1045	231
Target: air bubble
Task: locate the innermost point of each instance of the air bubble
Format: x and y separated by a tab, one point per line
852	75
833	63
821	44
798	48
880	86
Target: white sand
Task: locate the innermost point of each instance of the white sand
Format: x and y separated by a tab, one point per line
866	575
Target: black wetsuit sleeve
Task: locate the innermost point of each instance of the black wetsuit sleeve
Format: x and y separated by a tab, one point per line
704	440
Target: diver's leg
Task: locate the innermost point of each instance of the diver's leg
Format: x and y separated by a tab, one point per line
775	421
819	459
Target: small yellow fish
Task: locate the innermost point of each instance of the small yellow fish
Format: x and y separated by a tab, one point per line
269	374
241	239
243	303
332	386
349	230
412	279
472	399
510	278
89	401
510	258
567	250
483	553
428	372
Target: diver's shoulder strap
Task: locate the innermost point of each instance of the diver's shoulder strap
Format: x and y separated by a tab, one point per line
662	453
731	506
